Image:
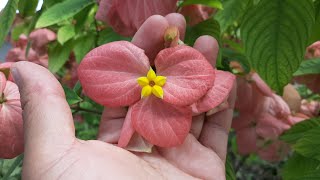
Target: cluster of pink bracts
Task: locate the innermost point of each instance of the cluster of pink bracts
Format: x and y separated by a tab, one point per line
264	116
37	52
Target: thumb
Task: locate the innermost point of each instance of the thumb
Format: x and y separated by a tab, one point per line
47	117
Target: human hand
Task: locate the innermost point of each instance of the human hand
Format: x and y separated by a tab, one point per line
52	151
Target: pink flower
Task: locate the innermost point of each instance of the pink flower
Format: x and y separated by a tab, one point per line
11	130
313	51
196	13
38	51
126	16
263	117
310	108
119	74
40	38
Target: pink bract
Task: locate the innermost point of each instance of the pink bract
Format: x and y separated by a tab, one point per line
263	117
38	51
109	75
11	131
40	38
126	16
196	13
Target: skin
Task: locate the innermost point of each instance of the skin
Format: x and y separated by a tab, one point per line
53	152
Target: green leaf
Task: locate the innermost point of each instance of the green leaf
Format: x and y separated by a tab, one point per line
59	55
275	34
315	35
66	33
78	88
235	56
18	30
13	166
71	96
6	19
232	11
210	3
208	27
83	45
299	167
48	3
308	67
230	174
309	144
108	35
61	11
299	130
27	7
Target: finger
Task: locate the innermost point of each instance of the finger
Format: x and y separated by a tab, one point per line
47	117
150	36
178	20
209	47
216	128
111	124
196	126
195	159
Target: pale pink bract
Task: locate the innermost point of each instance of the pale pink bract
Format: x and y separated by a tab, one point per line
109	76
11	130
126	16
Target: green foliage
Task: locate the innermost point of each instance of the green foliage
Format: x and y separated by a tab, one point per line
210	3
309	144
59	55
299	130
71	96
83	45
209	27
235	56
108	35
11	168
66	33
315	35
18	30
232	11
6	19
275	34
27	7
61	11
308	67
230	174
299	167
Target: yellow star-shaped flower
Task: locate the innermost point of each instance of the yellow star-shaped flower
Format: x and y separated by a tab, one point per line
152	84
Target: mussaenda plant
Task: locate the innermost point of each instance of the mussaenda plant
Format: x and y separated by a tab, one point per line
126	16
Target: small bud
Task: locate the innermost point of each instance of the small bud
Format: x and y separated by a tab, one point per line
171	37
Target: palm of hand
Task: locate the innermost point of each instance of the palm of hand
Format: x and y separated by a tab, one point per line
98	160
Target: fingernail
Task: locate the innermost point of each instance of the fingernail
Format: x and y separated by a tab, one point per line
16	75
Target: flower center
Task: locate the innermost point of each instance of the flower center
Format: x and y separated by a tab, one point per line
2	99
152	84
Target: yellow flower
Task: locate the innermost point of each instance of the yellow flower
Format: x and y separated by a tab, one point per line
152	84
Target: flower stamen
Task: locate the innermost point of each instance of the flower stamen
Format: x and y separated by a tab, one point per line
152	84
